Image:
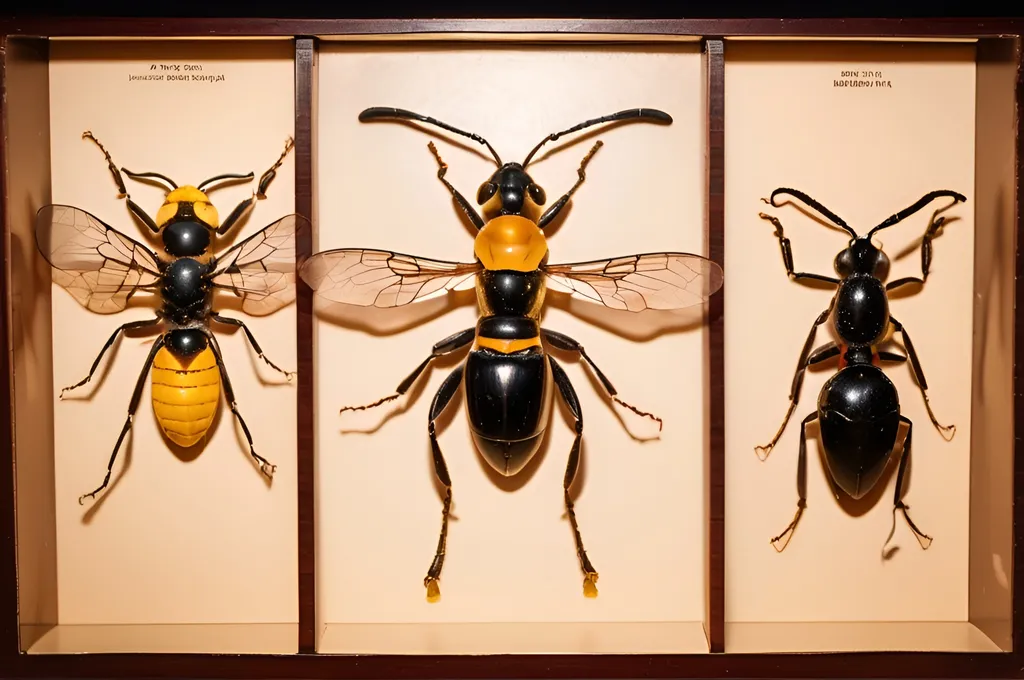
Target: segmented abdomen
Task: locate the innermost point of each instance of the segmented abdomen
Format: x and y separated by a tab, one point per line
186	394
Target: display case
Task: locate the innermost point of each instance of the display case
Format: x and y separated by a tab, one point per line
191	563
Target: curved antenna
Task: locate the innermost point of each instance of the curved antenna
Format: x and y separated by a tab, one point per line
389	112
922	202
653	115
150	176
828	214
220	178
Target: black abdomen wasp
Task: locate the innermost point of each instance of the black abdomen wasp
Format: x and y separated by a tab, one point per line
858	408
103	269
508	377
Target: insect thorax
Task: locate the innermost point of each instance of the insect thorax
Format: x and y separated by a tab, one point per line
511	242
510	293
185	290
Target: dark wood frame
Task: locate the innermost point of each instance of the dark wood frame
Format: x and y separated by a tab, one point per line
1004	34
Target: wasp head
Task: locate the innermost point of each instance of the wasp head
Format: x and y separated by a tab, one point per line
862	257
186	221
511	191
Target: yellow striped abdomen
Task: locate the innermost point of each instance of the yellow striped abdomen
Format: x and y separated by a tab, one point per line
186	394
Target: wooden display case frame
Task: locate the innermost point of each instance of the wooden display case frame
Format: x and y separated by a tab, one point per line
25	46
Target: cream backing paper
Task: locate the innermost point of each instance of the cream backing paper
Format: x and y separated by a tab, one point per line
865	152
198	538
640	505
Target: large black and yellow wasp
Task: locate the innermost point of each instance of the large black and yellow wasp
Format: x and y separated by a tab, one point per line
508	377
103	269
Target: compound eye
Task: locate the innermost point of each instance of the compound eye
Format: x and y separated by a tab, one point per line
537	194
882	266
484	193
844	263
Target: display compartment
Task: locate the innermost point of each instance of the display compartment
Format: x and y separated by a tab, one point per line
867	128
188	549
511	583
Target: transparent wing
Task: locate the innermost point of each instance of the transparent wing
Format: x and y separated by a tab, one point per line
638	282
381	278
261	269
101	267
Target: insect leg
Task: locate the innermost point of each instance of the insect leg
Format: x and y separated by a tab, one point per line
926	256
557	206
801	485
921	382
922	538
891	356
131	325
266	467
572	401
132	205
466	206
787	254
132	408
798	378
450	344
441	400
252	341
566	343
261	192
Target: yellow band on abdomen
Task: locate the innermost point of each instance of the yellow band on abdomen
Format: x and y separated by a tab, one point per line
507	346
186	394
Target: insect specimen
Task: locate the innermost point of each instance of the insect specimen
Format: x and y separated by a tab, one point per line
858	407
508	377
103	269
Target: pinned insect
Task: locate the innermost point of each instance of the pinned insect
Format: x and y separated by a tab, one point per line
508	377
102	269
858	407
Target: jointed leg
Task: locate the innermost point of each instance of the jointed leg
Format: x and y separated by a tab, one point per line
266	467
921	382
892	356
131	325
261	191
132	205
802	363
568	344
572	401
557	206
926	256
450	344
466	206
252	341
441	400
801	485
922	538
787	254
132	407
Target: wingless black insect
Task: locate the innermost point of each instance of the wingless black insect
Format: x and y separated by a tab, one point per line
858	407
102	269
508	376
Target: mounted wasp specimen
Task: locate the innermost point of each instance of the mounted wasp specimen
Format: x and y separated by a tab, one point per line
103	269
858	408
508	377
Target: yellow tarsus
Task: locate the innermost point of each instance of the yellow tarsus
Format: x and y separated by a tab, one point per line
590	585
433	590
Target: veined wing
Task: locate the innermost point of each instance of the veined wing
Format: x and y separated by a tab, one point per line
634	283
261	269
101	267
381	278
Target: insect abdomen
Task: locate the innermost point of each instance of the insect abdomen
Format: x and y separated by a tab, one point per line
186	393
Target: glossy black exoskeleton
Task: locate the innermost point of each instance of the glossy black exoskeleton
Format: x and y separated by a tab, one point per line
858	408
509	378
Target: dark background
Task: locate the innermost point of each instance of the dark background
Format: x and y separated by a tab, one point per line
426	9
